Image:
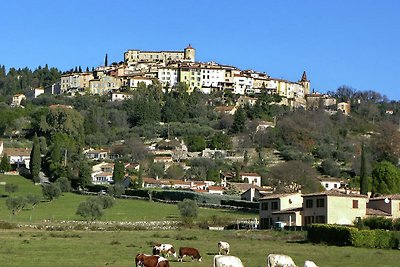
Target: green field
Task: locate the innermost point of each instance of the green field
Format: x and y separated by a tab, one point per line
30	247
77	248
64	208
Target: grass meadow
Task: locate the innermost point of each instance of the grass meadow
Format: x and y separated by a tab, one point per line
91	248
33	247
64	208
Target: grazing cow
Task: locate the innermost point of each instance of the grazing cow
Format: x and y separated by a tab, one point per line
187	251
279	260
151	261
310	264
223	247
164	249
227	261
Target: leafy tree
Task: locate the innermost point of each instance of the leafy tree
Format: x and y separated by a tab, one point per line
188	210
106	201
51	191
220	141
11	188
385	179
175	171
119	172
195	143
35	159
330	167
33	200
290	176
239	120
64	184
364	183
116	190
5	164
155	170
15	204
91	209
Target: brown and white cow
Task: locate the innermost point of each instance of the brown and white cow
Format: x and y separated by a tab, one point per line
150	261
164	250
190	252
226	261
280	260
223	247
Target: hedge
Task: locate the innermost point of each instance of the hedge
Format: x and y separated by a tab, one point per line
241	203
350	236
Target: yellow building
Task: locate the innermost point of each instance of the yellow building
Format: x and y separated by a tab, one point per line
75	81
190	75
333	207
284	208
104	84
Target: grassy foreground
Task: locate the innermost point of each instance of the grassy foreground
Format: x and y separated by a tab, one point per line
64	208
79	248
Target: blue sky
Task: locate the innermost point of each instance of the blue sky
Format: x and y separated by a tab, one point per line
353	43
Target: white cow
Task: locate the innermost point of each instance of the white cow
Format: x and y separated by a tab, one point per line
279	260
226	261
223	247
310	264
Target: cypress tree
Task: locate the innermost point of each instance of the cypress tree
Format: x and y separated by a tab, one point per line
5	163
364	184
106	60
119	172
35	159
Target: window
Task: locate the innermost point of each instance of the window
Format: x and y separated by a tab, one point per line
320	219
355	204
320	203
326	185
335	185
308	219
264	206
309	203
274	205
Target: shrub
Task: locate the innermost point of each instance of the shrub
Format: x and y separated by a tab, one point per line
188	209
51	191
64	184
91	209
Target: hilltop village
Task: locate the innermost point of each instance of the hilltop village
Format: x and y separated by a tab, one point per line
162	120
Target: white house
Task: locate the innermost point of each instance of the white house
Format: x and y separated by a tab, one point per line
252	178
242	84
330	183
18	156
168	76
120	96
134	81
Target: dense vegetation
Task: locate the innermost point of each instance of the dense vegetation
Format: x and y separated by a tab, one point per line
311	142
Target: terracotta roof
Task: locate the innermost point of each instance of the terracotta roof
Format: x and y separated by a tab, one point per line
377	212
393	196
334	192
224	108
10	151
215	188
104	174
245	186
276	196
249	174
288	210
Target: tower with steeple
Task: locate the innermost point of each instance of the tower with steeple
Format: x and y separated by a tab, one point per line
190	53
305	83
